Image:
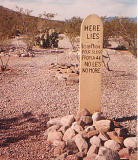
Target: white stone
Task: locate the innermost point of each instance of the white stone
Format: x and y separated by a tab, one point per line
69	134
103	136
112	145
50	129
53	128
95	141
90	128
130	142
86	119
107	154
54	135
97	116
74	124
53	121
81	143
63	129
57	143
92	149
103	125
76	127
67	120
82	112
64	121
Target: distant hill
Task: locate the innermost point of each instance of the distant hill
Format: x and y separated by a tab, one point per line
58	25
133	19
8	21
6	10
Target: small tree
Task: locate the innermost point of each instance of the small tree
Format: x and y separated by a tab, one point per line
27	25
121	28
73	29
7	29
128	31
4	54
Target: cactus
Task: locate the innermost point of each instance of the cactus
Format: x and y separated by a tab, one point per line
48	39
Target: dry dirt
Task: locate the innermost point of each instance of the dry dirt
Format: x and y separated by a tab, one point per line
30	95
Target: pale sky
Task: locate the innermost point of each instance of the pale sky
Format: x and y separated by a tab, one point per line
66	9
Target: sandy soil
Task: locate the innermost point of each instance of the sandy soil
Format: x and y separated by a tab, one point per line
30	95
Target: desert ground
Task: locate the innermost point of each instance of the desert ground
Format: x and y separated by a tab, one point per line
31	94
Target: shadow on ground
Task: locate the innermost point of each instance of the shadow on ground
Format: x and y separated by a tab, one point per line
125	119
19	128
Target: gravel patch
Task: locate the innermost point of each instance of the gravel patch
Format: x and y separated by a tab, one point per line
31	87
119	91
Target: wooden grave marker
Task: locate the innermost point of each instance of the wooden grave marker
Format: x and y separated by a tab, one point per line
91	63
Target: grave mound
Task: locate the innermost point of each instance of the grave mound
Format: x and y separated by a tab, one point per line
89	136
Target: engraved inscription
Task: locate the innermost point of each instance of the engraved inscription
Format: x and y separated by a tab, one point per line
91	51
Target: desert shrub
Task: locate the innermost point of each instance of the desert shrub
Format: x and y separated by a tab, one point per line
72	29
124	28
5	50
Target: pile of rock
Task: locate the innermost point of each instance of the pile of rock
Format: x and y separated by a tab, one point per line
22	52
68	72
26	54
89	137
